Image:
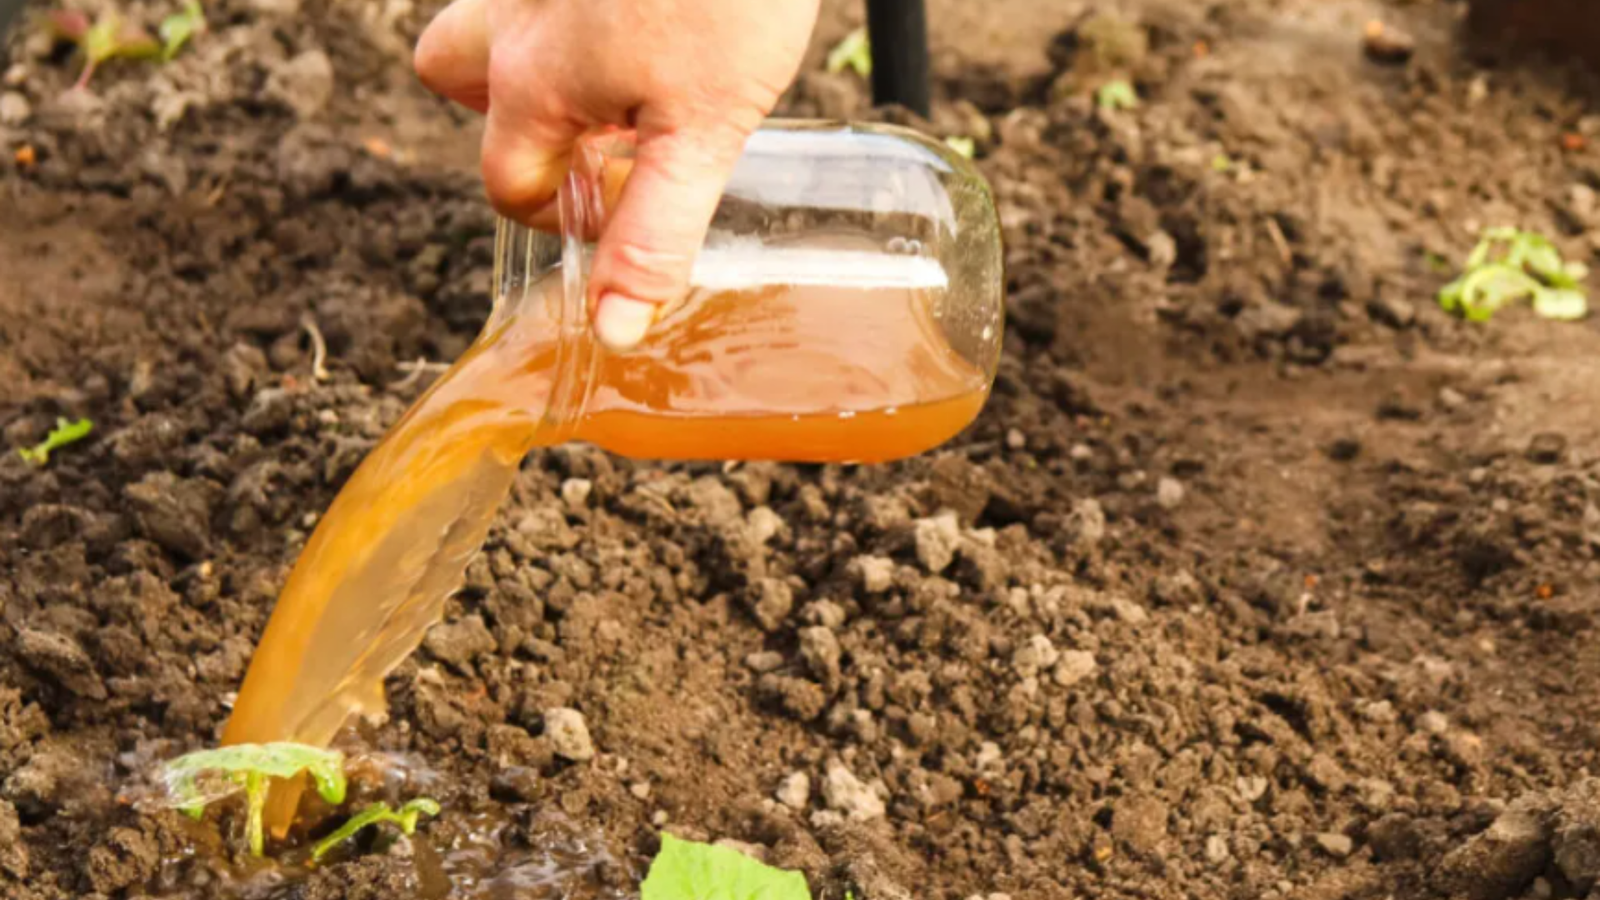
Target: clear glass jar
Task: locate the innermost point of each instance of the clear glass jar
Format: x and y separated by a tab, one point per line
847	305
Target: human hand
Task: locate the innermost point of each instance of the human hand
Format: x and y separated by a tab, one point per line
693	77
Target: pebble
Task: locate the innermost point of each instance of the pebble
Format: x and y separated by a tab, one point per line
1547	448
1035	655
1086	526
763	524
763	661
1337	846
844	793
14	108
304	83
936	539
569	734
1217	849
795	791
1074	666
1387	44
1251	787
1169	493
1015	439
575	492
876	573
640	789
1433	722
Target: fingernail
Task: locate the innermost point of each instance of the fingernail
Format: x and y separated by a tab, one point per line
621	322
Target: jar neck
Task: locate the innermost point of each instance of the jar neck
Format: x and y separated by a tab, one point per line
539	286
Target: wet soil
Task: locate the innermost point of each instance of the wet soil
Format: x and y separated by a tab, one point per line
1259	577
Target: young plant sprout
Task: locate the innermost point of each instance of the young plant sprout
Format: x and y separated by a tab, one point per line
108	37
685	869
178	28
63	434
406	817
854	52
1508	265
1117	94
199	779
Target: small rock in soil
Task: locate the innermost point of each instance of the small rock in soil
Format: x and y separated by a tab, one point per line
1387	44
795	791
304	83
1169	493
820	651
770	601
174	512
844	793
1074	666
763	661
1499	862
61	657
569	734
1547	448
1140	823
1432	722
1034	656
127	858
936	540
875	572
1337	846
1394	837
1086	526
1577	835
459	643
14	108
575	493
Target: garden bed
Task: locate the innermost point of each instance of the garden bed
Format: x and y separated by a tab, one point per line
1260	576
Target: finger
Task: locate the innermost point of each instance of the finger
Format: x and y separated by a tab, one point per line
452	56
527	140
645	257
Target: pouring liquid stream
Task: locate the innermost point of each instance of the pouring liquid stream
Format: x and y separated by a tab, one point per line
760	362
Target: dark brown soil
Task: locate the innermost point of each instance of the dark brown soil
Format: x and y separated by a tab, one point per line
1259	577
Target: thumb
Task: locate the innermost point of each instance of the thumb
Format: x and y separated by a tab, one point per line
646	253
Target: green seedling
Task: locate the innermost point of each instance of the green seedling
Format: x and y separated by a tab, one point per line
854	51
1508	265
178	28
685	870
406	817
106	38
1115	95
64	433
199	779
962	145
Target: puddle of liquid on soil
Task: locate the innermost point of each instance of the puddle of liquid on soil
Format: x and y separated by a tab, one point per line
802	371
494	853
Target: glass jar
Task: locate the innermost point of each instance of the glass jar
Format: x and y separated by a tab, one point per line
847	305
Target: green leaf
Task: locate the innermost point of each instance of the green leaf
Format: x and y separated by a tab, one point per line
854	51
249	767
962	145
1508	265
406	818
64	433
1562	304
1118	94
685	870
178	28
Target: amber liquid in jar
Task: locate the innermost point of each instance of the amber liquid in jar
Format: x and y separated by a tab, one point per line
802	372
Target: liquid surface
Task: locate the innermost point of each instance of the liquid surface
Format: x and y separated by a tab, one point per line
789	372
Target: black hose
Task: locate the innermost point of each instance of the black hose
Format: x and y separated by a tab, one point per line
898	33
